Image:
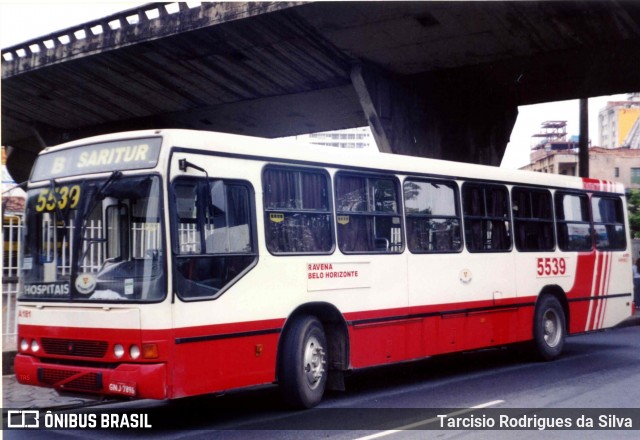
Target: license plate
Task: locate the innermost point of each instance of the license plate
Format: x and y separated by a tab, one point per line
123	388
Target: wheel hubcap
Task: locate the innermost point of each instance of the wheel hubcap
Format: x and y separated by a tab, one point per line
313	362
552	328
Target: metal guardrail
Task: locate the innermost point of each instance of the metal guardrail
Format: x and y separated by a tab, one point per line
12	228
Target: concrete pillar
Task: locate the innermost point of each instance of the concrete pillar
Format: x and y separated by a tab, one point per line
583	144
454	119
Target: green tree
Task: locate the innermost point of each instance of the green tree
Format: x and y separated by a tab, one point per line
634	212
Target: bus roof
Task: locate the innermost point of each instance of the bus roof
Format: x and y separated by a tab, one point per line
310	154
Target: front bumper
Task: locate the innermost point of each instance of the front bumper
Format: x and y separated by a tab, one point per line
142	381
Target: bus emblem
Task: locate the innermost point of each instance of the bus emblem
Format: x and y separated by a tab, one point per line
465	276
85	283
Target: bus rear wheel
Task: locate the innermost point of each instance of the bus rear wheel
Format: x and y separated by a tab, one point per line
549	328
303	365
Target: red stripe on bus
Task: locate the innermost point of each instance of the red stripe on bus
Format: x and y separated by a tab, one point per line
605	291
582	288
595	291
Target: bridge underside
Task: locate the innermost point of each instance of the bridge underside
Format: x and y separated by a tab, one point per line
437	79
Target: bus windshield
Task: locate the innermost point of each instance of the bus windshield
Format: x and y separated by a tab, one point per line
95	240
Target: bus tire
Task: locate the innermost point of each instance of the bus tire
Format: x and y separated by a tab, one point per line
303	365
549	328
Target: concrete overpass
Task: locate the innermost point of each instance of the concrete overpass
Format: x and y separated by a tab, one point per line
439	79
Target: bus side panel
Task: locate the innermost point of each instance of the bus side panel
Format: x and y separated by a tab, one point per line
600	297
482	288
452	332
386	342
436	329
586	278
620	283
217	358
497	327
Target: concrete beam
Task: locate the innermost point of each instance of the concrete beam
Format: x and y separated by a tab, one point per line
393	113
459	119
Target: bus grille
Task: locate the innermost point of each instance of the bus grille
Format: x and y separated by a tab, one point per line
85	382
51	377
72	347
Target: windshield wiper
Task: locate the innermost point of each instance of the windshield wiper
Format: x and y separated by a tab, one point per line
112	178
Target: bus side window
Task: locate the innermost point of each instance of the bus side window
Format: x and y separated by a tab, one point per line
532	219
297	209
486	217
572	222
368	214
214	235
433	218
608	223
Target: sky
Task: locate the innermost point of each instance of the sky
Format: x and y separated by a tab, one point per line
25	20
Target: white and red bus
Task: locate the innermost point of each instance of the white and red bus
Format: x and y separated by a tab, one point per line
171	263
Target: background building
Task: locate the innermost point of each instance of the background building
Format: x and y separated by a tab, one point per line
617	158
619	164
561	157
350	138
619	123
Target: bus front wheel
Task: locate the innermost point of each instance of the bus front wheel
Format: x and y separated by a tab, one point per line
549	328
303	366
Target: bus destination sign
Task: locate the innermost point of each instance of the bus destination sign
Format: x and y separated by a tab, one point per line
128	154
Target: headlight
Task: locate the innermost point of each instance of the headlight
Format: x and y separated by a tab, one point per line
24	345
35	346
134	352
118	350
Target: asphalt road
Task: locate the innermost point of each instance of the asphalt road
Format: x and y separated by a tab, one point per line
598	375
